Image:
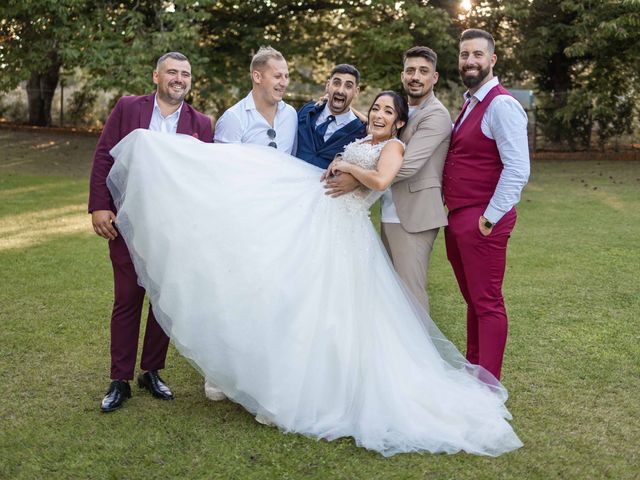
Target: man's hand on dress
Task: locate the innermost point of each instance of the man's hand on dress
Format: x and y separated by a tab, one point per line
103	223
340	184
327	173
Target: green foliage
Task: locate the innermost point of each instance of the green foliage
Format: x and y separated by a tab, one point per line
580	55
38	34
376	35
81	106
583	57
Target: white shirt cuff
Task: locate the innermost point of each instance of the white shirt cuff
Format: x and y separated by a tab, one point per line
493	214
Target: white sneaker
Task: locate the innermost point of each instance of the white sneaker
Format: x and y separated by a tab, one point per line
212	392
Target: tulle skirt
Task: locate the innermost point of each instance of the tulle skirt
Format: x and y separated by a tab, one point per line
286	299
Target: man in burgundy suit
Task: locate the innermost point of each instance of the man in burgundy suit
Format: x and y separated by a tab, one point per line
486	169
166	111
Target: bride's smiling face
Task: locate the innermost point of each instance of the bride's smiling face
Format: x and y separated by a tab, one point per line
383	118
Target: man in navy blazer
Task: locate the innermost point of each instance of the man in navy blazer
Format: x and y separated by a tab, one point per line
324	130
166	111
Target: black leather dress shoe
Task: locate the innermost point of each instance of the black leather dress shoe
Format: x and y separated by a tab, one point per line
152	382
118	392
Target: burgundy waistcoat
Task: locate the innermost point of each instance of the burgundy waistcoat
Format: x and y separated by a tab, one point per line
473	165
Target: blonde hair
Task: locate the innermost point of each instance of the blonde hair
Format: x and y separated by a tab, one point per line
264	54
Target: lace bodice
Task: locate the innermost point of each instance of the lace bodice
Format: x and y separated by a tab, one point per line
365	155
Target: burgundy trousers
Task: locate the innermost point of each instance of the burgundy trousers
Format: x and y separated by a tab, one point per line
125	320
479	265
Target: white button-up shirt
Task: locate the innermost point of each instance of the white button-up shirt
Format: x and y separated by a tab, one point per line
242	123
339	122
168	124
504	121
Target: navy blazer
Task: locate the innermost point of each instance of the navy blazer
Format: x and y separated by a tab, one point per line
312	148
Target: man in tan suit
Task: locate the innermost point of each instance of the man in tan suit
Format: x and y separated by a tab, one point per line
412	210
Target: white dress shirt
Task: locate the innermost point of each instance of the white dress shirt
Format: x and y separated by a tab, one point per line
242	123
339	122
388	212
168	124
504	121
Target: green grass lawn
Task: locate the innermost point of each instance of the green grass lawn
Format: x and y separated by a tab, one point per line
572	364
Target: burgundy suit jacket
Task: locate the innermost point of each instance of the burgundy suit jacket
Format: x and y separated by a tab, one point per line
129	114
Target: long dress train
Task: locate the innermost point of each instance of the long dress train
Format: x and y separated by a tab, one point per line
286	299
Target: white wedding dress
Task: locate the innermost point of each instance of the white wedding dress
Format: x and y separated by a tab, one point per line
286	299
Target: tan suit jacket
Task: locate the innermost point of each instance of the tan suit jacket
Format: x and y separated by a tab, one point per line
417	189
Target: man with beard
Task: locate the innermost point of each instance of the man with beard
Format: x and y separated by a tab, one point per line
486	169
262	117
163	111
325	129
412	209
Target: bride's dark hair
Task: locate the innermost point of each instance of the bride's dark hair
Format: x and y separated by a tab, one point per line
399	104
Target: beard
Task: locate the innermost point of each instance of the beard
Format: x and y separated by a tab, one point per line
419	94
474	81
172	97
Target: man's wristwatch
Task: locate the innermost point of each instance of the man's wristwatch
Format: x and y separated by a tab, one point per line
487	223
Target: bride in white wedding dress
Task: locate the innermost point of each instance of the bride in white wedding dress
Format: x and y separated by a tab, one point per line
286	299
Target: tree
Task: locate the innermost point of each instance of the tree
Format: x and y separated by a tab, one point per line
115	42
376	34
583	57
575	52
37	38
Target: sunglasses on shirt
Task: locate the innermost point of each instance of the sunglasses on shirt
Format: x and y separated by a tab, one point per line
271	133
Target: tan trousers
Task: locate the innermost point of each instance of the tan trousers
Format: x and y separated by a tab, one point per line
410	254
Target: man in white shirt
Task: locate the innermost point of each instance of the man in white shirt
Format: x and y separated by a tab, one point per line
486	169
262	117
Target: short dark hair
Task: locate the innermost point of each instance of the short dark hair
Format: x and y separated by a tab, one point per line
399	104
174	55
472	33
424	52
348	69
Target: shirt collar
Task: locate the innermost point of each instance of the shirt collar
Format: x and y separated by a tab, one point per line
341	119
250	103
483	90
156	108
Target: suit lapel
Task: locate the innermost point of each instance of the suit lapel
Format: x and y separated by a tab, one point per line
311	126
146	110
408	132
184	121
341	133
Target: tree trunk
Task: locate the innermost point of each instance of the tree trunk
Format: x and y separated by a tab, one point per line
40	89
